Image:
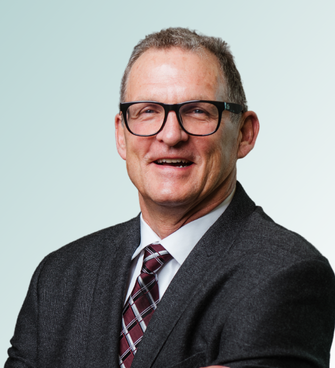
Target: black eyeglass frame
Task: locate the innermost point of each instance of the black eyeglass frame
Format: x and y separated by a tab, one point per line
221	106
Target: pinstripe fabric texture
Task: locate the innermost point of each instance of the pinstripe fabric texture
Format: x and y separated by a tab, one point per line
141	303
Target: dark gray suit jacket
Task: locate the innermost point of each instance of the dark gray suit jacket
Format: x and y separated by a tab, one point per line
250	294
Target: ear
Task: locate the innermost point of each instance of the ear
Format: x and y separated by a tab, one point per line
120	138
249	128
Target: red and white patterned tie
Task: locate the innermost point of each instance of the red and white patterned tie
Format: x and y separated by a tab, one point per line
141	304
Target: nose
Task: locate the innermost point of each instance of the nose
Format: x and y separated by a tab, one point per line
172	133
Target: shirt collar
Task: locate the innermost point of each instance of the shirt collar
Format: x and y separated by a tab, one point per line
180	243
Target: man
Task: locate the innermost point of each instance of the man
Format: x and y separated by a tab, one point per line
219	281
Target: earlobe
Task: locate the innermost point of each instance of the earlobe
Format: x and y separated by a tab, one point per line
248	133
120	136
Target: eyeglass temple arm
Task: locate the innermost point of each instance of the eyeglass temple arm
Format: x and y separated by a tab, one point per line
234	108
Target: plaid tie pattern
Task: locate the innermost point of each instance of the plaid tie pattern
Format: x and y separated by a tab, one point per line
141	304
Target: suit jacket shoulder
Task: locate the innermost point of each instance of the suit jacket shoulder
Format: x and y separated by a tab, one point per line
74	302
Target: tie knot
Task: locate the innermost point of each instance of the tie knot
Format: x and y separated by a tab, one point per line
155	256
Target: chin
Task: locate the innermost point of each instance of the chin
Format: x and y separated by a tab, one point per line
171	199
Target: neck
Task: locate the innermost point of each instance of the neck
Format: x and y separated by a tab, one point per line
165	219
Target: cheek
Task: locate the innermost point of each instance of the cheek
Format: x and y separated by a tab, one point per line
135	162
229	141
223	153
136	174
134	149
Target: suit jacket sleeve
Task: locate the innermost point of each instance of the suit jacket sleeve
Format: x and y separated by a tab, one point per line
23	352
285	321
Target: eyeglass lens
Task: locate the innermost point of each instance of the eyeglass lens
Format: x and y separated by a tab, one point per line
146	118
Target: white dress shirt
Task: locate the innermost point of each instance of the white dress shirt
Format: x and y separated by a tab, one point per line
179	244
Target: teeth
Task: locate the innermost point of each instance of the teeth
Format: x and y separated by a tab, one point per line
172	161
176	162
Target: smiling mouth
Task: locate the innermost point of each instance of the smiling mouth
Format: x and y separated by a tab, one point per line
173	162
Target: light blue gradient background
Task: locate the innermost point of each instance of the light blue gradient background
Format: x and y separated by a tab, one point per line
61	65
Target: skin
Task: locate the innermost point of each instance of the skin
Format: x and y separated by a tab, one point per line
172	196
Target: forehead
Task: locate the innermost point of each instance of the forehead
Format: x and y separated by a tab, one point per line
177	72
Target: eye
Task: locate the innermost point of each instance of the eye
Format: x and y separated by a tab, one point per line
147	111
194	109
150	109
198	111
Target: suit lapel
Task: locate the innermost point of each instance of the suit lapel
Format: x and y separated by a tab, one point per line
194	272
105	317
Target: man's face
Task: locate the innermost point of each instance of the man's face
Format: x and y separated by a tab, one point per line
174	169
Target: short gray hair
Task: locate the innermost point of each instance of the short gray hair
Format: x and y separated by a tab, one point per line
192	41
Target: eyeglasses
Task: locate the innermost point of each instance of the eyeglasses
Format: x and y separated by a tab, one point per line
199	117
